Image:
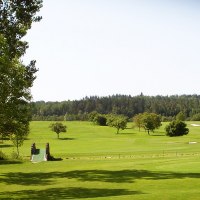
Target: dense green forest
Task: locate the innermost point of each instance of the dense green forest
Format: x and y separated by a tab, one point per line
167	106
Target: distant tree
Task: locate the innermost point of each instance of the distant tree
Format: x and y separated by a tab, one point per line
117	121
138	120
176	128
150	121
58	127
196	117
92	116
100	120
180	116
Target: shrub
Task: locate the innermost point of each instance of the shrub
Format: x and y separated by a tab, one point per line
196	117
176	128
2	156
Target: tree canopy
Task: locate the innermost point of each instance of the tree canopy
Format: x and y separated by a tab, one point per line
166	106
117	121
16	78
148	121
58	128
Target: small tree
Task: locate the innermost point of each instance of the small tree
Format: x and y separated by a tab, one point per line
100	120
138	120
196	117
117	121
176	128
18	134
149	121
58	127
180	116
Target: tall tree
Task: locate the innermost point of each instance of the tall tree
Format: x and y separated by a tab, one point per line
16	78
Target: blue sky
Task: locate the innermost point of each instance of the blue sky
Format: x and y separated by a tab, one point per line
105	47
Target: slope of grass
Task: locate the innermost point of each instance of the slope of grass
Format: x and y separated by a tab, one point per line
99	164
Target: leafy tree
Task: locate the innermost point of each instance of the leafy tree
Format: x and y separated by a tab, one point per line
58	127
97	118
196	117
117	121
92	116
16	79
176	128
19	133
138	120
149	121
180	116
100	120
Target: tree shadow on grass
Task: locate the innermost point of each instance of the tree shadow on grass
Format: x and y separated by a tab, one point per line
66	138
121	176
10	162
127	133
5	146
68	193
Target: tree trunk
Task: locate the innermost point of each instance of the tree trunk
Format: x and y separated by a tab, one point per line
58	135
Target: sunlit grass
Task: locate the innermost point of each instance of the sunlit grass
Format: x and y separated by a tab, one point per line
100	164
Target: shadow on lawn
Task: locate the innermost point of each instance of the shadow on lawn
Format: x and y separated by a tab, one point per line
5	146
122	176
10	162
67	193
66	138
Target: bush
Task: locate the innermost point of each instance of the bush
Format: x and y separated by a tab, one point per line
15	156
196	117
100	120
2	156
176	128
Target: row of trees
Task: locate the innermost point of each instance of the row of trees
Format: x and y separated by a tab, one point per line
112	120
147	121
166	106
152	121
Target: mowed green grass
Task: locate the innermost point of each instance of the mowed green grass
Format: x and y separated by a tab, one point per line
99	164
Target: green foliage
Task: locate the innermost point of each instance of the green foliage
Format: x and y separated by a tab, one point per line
149	121
2	156
138	120
15	156
98	119
196	117
117	121
176	128
180	116
16	79
58	127
92	116
19	132
168	106
16	18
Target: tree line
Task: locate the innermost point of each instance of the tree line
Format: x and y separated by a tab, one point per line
166	106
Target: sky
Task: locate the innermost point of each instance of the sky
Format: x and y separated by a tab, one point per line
107	47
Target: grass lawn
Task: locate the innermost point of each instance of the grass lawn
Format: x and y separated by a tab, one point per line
99	164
